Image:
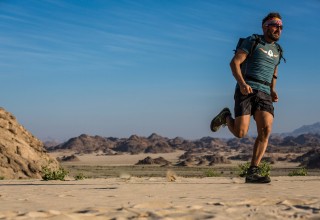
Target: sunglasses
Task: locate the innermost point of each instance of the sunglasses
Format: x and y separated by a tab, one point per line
276	26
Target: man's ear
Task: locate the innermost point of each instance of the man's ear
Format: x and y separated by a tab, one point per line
264	28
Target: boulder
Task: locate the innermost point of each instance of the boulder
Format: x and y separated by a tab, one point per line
71	158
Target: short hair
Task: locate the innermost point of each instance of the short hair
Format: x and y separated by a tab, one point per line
270	16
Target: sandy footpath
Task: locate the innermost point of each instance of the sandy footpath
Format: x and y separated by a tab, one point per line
157	198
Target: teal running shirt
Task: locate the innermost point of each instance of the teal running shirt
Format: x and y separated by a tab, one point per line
260	64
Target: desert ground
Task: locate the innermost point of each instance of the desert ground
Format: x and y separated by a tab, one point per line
116	189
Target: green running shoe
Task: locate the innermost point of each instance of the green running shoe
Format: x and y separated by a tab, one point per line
220	120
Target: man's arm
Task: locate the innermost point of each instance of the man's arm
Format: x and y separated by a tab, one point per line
238	58
274	94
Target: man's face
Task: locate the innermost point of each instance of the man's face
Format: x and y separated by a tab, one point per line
274	32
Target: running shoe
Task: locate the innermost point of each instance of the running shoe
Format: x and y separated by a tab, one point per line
220	120
254	176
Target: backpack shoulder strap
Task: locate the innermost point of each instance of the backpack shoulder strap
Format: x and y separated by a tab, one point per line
280	53
256	40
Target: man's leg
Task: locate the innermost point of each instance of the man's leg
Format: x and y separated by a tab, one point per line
239	126
264	122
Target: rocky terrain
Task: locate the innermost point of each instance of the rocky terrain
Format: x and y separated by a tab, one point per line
205	151
158	144
110	145
311	159
21	154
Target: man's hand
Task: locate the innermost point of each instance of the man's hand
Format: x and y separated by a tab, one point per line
274	96
245	89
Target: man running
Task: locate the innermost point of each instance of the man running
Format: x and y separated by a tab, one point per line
254	66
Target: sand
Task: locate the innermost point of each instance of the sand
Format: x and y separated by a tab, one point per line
116	160
171	197
158	198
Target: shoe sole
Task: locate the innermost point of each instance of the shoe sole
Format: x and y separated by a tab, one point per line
257	182
211	124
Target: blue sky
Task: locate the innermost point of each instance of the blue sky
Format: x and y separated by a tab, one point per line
120	67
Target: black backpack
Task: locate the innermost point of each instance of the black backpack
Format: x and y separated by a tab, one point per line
256	40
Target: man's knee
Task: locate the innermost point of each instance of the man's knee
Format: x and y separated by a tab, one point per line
264	133
264	124
241	126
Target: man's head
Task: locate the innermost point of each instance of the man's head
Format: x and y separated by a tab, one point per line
272	26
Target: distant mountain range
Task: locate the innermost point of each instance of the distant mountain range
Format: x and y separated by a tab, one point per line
305	129
307	136
204	151
85	144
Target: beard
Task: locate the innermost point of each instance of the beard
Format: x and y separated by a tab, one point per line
275	36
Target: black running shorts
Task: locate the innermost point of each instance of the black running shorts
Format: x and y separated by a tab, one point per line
249	104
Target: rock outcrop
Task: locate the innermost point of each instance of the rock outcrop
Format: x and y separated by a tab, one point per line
21	154
151	161
86	144
310	159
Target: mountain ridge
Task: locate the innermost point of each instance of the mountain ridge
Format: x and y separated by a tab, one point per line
305	129
86	144
306	135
